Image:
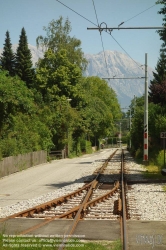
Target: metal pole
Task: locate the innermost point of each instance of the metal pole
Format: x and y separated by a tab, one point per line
145	158
164	152
125	28
120	135
125	246
130	129
68	144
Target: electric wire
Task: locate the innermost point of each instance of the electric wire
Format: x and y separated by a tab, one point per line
105	31
101	38
97	26
76	12
136	15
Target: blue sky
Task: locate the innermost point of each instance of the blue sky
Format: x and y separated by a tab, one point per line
34	14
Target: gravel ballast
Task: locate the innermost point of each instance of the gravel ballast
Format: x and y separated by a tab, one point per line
149	199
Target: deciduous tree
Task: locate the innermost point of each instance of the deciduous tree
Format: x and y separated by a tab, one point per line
58	37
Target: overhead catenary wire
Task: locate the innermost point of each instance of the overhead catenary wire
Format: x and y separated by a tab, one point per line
101	38
97	26
76	12
110	32
136	15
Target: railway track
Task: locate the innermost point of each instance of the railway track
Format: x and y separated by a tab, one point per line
110	196
91	202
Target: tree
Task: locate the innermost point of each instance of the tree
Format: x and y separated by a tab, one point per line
57	38
160	76
56	76
24	125
7	60
24	66
99	108
162	33
158	93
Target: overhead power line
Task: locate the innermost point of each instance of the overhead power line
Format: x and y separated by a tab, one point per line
105	31
101	37
76	12
136	15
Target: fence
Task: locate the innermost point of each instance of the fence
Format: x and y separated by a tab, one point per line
12	164
58	154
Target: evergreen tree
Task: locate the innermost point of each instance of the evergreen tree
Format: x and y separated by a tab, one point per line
155	92
162	33
7	60
24	66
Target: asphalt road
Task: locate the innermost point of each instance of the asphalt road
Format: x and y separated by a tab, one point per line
45	178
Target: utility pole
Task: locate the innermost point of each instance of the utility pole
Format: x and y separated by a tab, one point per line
130	130
145	157
120	136
68	143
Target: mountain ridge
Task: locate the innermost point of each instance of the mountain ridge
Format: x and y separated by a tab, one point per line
115	64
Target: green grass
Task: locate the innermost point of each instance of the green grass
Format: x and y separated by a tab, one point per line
30	243
153	172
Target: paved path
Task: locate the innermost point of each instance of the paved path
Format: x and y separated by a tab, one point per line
45	178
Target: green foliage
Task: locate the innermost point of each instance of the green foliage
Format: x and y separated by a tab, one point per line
160	159
139	154
157	124
57	106
24	67
86	146
98	108
56	76
7	59
137	128
58	38
158	84
22	125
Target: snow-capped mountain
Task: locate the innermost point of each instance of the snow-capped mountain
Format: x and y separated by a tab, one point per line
111	64
118	65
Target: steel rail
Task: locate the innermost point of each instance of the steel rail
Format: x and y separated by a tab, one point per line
84	205
55	202
73	210
83	208
76	211
48	220
102	198
103	167
124	230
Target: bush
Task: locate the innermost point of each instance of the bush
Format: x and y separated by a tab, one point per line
86	146
139	154
160	159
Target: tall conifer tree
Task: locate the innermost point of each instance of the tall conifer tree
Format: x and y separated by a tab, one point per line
24	66
157	91
7	60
